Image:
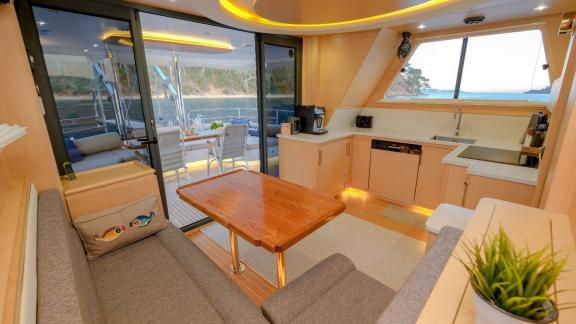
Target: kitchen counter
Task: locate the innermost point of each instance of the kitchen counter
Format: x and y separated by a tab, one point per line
499	171
494	170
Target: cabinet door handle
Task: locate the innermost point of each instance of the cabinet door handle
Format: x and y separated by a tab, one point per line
319	158
465	193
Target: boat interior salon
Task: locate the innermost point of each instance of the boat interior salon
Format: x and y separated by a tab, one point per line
305	161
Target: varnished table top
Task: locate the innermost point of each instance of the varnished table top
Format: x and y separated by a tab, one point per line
200	136
264	210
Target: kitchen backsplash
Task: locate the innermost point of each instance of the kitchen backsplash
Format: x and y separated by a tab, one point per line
493	127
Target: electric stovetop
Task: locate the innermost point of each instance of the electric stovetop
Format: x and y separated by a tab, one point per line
491	154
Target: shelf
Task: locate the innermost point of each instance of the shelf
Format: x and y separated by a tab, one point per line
10	134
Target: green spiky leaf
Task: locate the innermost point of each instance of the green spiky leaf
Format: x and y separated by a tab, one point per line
516	281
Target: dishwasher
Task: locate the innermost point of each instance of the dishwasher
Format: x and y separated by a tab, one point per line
394	170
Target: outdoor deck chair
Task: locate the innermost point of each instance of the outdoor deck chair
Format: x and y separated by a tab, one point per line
172	155
231	145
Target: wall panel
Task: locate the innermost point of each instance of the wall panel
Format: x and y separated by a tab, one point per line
31	155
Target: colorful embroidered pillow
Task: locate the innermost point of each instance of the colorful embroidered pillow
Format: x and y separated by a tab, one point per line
114	228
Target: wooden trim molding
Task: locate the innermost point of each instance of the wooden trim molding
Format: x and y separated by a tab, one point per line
310	69
560	100
13	215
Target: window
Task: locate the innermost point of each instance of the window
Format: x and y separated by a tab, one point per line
501	67
430	73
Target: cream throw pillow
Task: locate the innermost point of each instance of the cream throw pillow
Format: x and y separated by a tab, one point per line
98	143
114	228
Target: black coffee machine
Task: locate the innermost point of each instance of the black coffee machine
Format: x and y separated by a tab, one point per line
311	119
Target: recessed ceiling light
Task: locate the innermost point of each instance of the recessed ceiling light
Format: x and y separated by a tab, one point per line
421	26
85	51
41	22
95	45
541	7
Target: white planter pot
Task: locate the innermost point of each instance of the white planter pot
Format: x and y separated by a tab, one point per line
486	313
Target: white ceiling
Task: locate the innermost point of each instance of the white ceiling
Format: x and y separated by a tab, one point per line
495	11
67	34
444	18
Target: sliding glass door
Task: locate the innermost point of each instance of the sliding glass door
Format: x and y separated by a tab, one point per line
280	70
204	93
187	96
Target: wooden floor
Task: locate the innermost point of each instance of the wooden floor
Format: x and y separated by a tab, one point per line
250	281
368	207
358	203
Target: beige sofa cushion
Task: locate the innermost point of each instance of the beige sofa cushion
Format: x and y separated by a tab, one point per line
98	143
114	228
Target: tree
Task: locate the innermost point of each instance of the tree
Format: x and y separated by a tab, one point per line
414	78
410	82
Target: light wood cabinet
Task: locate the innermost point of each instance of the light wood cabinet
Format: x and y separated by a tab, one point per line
431	176
478	187
393	175
422	180
462	189
360	162
108	187
454	184
333	165
298	162
319	166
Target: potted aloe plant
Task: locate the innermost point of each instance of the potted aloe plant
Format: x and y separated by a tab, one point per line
512	286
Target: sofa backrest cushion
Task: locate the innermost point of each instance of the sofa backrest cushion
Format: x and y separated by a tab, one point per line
98	143
410	300
66	292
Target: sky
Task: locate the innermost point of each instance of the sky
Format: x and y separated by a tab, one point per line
510	62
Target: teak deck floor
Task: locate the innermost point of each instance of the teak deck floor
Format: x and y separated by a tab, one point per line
256	287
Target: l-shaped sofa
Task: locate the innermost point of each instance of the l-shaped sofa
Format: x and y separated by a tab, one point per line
166	278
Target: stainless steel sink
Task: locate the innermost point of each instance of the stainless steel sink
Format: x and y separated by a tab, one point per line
453	139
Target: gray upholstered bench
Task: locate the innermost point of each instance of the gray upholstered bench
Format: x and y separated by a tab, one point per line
334	291
163	278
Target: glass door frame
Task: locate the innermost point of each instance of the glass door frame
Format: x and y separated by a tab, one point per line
35	54
278	40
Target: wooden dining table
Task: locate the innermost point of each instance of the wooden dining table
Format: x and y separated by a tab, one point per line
206	134
266	211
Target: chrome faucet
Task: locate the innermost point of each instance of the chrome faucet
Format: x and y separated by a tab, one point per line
458	114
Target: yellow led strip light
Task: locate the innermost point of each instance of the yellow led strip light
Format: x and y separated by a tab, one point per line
242	13
170	39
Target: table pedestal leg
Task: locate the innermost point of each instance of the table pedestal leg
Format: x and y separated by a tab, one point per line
236	266
281	268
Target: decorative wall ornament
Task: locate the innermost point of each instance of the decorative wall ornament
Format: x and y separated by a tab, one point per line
405	47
